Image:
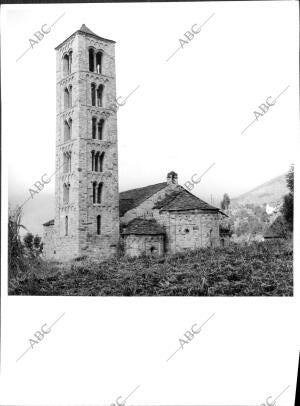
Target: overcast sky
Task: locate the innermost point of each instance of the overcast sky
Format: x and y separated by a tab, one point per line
187	114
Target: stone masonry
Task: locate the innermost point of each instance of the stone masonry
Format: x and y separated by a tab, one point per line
89	211
75	230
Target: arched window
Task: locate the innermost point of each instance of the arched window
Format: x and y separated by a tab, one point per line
93	160
98	224
66	225
100	129
66	193
70	97
66	98
94	191
97	162
100	95
65	159
153	250
98	62
67	162
101	162
91	60
70	127
99	192
66	65
70	61
93	94
94	127
67	131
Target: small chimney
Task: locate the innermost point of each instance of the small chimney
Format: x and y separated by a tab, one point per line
172	178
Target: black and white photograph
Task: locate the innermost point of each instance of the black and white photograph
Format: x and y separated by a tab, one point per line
149	159
161	201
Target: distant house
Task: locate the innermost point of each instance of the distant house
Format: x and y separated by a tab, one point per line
277	230
166	218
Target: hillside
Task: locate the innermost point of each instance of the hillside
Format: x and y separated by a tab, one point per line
270	193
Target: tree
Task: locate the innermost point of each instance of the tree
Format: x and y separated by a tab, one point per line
38	245
15	248
37	242
225	202
290	179
287	209
28	241
242	228
33	243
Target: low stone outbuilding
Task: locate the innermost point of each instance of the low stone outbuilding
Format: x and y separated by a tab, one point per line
143	237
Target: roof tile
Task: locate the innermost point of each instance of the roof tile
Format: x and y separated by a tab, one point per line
181	199
142	226
134	197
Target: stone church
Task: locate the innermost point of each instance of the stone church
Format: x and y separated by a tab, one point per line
91	217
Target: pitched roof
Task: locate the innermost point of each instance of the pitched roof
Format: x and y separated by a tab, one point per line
181	199
168	198
177	199
142	226
134	197
85	30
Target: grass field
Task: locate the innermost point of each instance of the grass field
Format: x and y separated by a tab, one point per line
258	269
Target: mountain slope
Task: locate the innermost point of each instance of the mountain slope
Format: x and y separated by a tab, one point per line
270	193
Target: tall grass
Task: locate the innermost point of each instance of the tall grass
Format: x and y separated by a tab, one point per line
256	269
16	258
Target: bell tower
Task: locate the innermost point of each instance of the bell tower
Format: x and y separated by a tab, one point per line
86	180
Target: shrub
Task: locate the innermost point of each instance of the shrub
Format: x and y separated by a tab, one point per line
16	260
256	269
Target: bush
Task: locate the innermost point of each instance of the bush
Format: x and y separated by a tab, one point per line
287	209
256	269
16	260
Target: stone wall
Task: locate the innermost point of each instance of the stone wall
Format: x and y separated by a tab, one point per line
189	229
49	242
80	211
150	245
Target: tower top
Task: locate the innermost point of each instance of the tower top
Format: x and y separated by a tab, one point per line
85	31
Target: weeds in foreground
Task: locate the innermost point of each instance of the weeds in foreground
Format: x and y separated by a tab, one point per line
257	269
